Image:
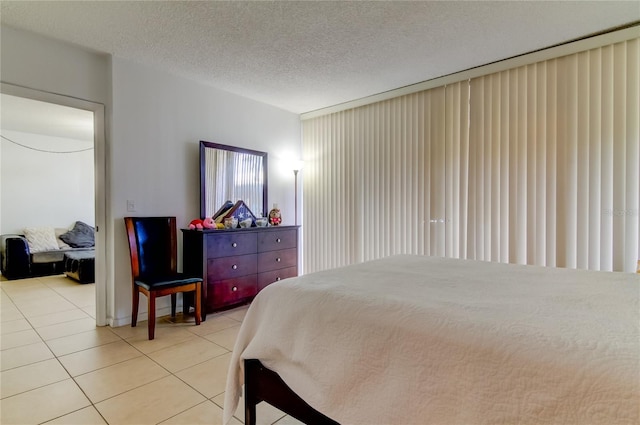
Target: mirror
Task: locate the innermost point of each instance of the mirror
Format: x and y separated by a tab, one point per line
229	173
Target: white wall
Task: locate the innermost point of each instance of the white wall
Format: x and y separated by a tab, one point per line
41	63
45	189
158	121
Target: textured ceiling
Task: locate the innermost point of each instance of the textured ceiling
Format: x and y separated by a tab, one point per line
303	56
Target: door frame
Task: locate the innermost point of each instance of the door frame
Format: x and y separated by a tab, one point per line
100	181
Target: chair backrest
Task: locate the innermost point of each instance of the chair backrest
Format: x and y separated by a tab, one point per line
152	245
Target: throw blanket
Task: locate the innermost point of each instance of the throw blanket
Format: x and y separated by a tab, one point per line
419	340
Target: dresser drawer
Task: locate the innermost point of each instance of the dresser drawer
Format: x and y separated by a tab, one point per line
277	239
227	244
267	278
274	260
230	291
230	267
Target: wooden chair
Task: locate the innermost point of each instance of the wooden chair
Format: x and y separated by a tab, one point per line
153	249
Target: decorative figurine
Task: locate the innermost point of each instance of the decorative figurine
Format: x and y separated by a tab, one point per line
274	216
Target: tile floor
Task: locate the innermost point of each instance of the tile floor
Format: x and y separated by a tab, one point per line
57	367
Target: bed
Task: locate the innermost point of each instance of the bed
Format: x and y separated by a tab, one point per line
425	340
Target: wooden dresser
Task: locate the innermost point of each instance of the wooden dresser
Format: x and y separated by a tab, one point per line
236	264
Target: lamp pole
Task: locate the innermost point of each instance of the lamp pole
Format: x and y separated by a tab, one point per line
295	198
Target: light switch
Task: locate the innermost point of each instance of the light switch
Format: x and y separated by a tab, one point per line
131	206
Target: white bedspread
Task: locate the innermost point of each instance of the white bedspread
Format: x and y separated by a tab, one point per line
424	340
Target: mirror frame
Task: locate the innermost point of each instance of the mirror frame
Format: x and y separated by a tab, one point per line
210	145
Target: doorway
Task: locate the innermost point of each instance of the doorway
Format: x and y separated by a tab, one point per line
77	108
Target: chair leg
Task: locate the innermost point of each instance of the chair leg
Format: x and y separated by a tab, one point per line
174	298
134	306
151	312
186	302
198	302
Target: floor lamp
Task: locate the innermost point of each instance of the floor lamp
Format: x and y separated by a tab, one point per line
296	167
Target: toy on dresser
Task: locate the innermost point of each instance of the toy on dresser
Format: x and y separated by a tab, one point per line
198	224
275	218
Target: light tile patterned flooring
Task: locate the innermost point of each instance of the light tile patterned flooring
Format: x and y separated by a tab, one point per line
57	367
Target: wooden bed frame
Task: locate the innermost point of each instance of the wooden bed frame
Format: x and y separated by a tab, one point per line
262	384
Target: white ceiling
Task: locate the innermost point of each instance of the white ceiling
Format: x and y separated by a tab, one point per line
33	116
305	55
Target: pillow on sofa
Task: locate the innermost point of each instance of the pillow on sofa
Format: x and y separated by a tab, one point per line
60	231
40	239
81	236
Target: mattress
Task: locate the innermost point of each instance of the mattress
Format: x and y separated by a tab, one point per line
420	340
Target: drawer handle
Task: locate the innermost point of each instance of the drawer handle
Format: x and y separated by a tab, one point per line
278	259
234	267
234	289
234	245
278	240
278	278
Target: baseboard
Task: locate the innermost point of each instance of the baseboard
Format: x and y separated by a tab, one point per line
126	321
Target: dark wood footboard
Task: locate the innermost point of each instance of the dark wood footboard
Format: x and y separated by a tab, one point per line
262	384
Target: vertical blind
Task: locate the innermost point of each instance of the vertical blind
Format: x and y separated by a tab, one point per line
538	164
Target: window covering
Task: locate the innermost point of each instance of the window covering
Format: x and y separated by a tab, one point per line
538	164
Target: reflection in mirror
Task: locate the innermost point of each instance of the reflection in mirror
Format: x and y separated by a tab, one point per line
228	173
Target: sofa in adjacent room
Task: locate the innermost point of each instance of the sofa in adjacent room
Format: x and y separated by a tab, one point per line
42	251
